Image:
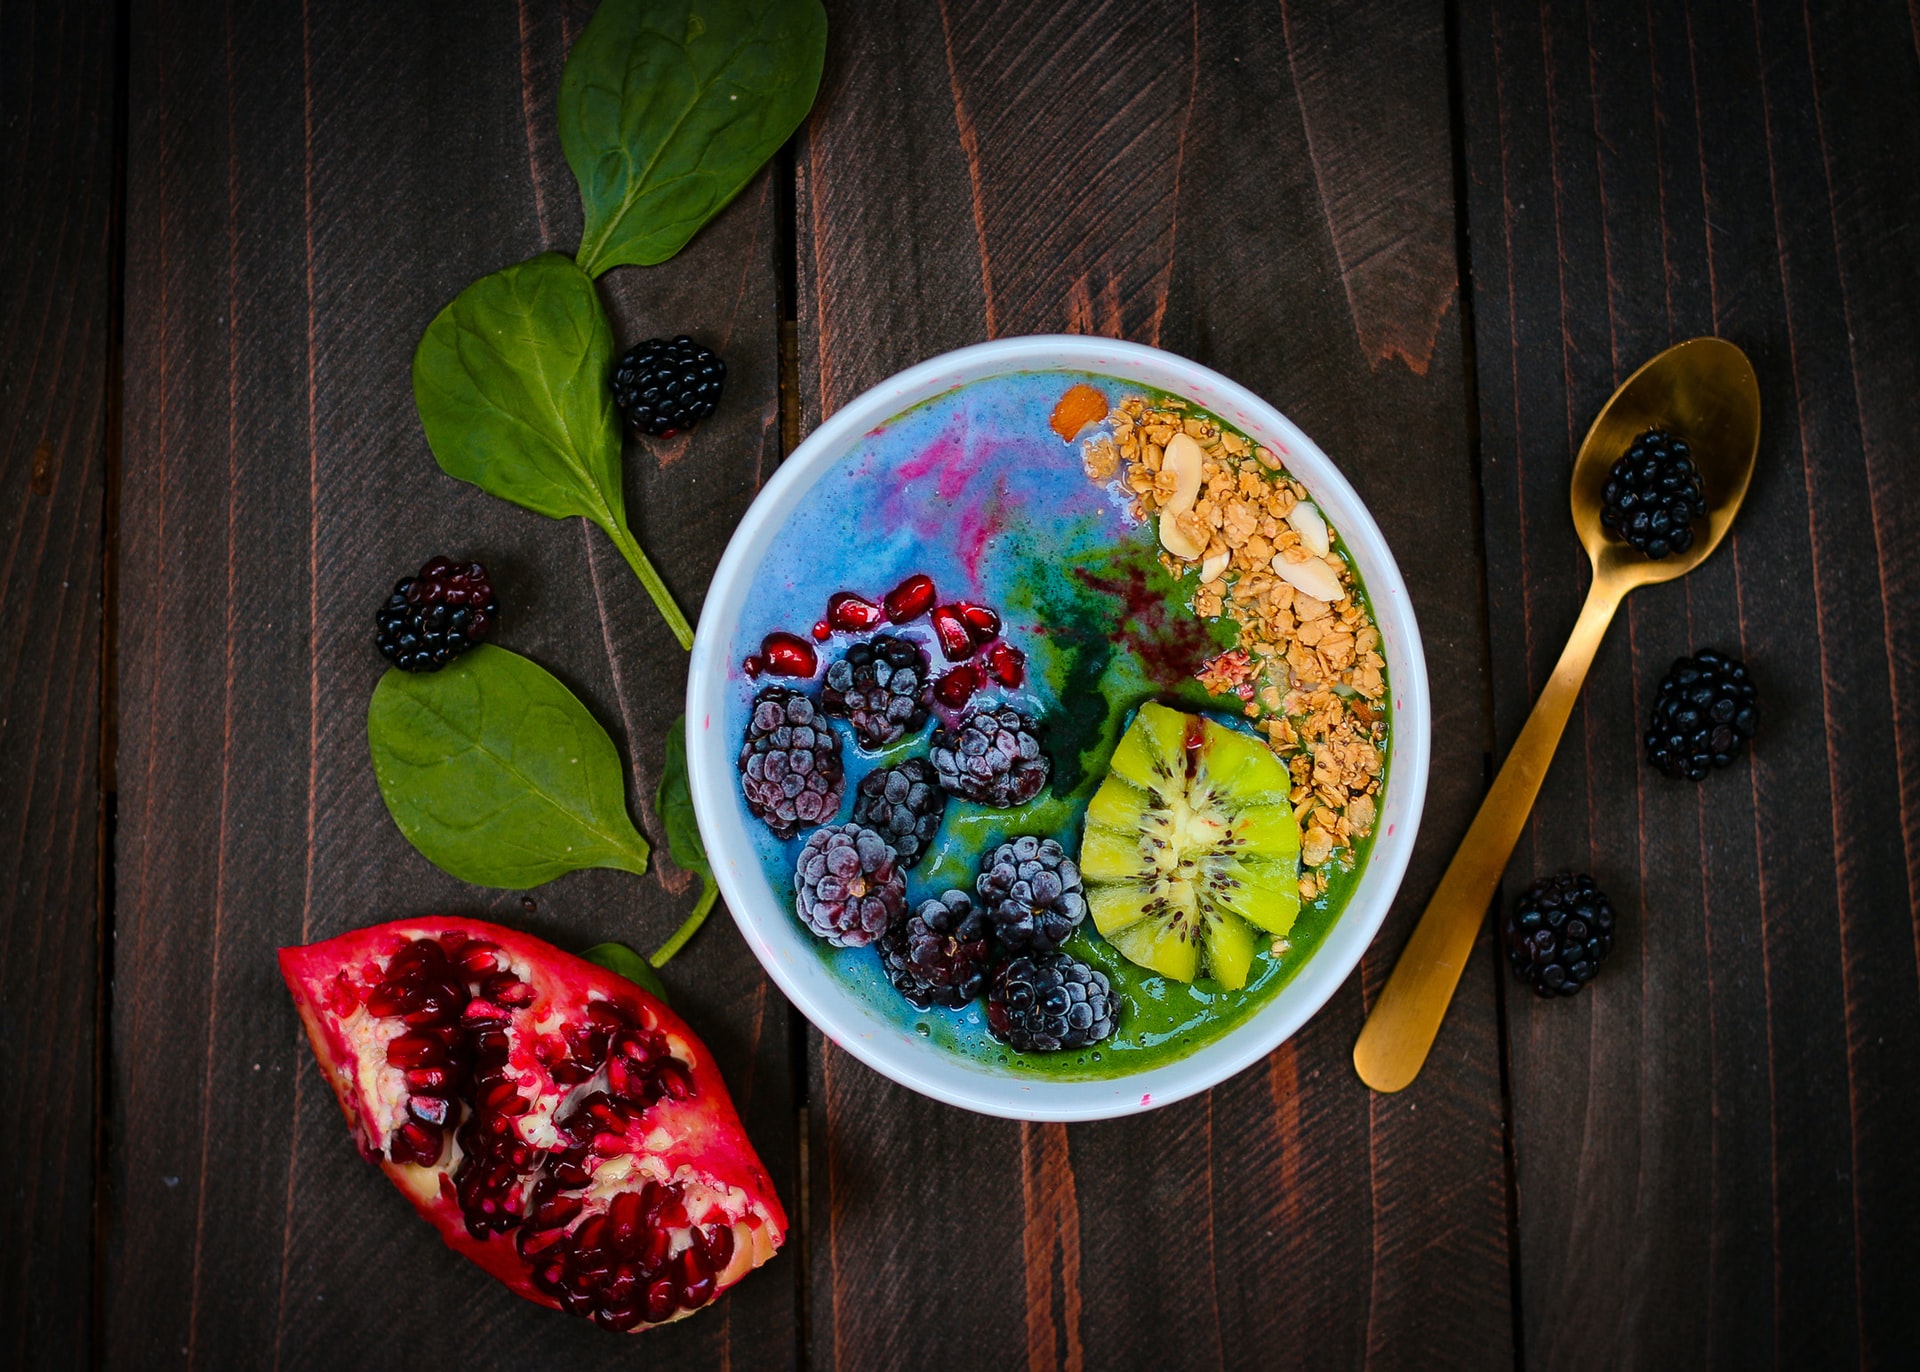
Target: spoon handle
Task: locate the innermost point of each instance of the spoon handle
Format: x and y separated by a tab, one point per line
1405	1020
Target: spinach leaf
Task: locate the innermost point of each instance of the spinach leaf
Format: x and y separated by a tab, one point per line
674	801
497	773
622	961
668	108
511	384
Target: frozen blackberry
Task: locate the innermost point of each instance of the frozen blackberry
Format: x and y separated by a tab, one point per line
1653	495
433	617
1049	1003
904	805
941	954
1704	716
790	764
1560	929
994	758
847	886
663	387
1031	891
882	687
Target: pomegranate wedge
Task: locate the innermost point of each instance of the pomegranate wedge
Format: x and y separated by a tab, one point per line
557	1124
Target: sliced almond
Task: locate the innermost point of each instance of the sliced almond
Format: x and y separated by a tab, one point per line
1214	565
1184	459
1310	526
1177	540
1311	577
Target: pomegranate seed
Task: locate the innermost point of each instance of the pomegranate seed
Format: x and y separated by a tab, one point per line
416	1143
956	642
721	1246
504	988
910	599
956	688
659	1300
676	1082
480	959
484	1012
388	1000
821	631
1007	663
624	1215
788	654
416	1049
981	620
850	614
428	1079
605	1015
428	1109
433	1005
752	666
554	1213
343	998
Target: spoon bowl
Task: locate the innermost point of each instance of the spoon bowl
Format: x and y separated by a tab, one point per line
1703	391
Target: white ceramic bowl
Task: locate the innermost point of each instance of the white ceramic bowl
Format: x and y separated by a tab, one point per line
783	945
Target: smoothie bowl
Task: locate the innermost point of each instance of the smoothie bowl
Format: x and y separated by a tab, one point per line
1057	728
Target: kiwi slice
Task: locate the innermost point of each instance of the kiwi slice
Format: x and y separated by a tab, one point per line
1191	844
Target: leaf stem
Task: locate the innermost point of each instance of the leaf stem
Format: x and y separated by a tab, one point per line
662	597
701	909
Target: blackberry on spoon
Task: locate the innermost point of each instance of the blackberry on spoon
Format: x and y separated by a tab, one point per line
1653	495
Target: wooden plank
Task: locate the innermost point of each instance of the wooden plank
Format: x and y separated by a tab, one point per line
310	184
1240	187
58	75
1718	1135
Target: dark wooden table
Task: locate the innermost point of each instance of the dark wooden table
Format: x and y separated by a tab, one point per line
1436	235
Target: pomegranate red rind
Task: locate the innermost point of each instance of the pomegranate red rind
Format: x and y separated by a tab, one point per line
576	1139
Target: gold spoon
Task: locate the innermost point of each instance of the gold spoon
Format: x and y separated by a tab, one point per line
1703	391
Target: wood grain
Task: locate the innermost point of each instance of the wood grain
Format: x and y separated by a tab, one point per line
1197	178
57	146
310	183
1718	1136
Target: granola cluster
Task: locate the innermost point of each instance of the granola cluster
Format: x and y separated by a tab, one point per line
1307	667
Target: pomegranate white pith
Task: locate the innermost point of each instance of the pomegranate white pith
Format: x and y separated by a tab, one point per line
558	1125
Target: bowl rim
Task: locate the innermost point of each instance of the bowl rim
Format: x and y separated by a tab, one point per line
838	1012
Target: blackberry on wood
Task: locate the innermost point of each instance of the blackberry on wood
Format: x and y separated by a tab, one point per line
882	687
1653	495
1560	929
663	387
1049	1003
790	763
994	758
433	617
941	954
847	886
904	805
1031	891
1705	714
